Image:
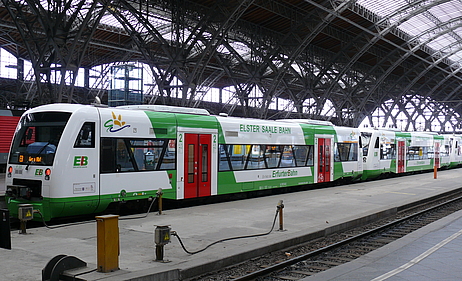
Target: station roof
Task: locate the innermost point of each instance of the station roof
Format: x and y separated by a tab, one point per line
436	25
356	53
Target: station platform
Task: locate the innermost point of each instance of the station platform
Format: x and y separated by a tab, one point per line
431	253
307	214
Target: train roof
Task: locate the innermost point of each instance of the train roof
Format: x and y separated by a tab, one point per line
307	121
166	108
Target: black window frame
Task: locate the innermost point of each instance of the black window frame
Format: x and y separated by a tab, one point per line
111	147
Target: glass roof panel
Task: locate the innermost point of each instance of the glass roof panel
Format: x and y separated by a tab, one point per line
417	25
382	8
439	25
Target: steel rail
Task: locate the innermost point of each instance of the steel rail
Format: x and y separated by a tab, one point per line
284	264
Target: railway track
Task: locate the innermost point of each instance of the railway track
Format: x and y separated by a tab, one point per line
322	254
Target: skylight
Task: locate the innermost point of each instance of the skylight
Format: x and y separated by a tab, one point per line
437	24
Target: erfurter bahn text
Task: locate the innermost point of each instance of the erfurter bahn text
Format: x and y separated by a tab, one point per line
68	159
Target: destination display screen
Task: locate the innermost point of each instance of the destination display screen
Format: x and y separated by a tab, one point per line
29	159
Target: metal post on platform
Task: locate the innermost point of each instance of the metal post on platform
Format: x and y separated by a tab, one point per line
25	213
108	250
161	238
435	172
159	194
280	207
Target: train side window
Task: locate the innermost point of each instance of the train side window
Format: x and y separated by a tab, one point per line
288	158
417	153
237	155
304	155
255	157
273	155
346	152
108	163
205	162
376	143
124	157
85	138
310	160
251	157
301	153
387	151
224	161
445	150
168	155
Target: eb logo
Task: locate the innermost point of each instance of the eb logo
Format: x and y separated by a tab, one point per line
80	161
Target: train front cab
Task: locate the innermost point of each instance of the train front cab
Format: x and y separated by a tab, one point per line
386	151
379	153
455	150
347	154
44	142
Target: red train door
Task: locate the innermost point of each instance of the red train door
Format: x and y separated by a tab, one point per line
197	168
324	162
401	156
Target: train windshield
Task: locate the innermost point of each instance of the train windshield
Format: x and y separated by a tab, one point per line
37	138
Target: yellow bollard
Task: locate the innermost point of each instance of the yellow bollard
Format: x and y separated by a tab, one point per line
107	243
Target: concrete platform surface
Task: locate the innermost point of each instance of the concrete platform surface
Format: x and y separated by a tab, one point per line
431	253
305	213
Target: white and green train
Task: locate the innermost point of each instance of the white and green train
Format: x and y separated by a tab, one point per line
69	159
393	152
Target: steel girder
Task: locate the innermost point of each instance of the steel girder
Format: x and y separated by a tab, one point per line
56	38
408	53
200	46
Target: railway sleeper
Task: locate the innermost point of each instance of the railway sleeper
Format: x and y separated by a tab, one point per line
393	236
369	248
354	249
350	255
376	243
318	268
288	278
302	272
403	232
342	259
384	240
330	262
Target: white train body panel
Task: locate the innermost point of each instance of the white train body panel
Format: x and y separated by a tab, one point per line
248	131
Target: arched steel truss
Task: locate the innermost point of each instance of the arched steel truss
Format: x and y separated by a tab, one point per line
311	53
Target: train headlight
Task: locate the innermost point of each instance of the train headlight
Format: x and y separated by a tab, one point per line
10	171
47	173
